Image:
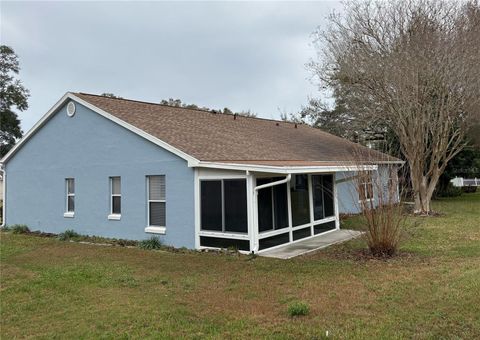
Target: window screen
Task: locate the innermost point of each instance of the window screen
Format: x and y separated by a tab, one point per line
323	205
272	205
328	195
280	206
300	200
223	205
265	217
317	187
211	205
235	206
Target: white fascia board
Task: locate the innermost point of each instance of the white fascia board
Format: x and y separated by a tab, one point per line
284	169
69	96
391	162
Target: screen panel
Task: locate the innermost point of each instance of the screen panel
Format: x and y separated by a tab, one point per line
328	195
235	205
317	187
300	200
280	204
219	242
320	228
272	241
211	205
302	233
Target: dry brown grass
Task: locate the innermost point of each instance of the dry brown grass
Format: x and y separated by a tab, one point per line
52	288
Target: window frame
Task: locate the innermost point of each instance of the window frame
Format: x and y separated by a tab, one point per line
271	193
222	197
154	229
364	186
112	215
69	213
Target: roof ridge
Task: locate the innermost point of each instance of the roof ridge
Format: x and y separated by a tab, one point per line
211	111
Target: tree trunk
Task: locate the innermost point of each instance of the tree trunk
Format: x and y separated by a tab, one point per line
423	192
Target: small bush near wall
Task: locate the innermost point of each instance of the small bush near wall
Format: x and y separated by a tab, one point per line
298	309
68	235
151	243
19	229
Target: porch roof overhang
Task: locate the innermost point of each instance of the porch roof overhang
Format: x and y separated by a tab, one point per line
287	167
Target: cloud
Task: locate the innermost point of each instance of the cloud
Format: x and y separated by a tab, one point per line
241	55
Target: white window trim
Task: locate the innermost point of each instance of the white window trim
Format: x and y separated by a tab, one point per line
67	213
113	216
155	228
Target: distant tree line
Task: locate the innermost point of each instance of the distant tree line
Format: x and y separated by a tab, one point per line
178	103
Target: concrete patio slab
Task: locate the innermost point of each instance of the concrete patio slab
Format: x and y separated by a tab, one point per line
315	243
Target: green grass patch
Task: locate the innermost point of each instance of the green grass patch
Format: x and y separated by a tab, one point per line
298	309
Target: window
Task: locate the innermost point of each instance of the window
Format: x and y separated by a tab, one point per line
223	205
300	200
115	198
70	197
156	202
365	191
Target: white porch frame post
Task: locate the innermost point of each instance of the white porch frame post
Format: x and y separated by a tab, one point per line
196	193
4	209
252	211
289	208
310	203
335	201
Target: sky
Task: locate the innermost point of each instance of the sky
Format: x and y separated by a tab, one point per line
240	55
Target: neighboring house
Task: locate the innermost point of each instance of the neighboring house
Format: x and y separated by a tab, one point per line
129	169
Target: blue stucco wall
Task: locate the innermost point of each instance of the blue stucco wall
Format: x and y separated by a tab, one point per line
347	190
90	148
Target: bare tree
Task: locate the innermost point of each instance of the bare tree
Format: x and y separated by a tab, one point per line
412	66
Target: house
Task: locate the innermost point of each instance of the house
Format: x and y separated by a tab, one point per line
130	169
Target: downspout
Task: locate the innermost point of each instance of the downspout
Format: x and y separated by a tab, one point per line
263	186
4	184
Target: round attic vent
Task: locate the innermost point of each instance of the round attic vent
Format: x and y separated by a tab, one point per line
71	109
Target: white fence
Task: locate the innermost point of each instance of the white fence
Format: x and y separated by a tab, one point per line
465	182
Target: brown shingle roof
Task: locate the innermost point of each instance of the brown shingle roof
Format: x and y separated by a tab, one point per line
221	137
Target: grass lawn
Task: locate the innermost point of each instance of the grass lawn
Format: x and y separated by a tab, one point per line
51	288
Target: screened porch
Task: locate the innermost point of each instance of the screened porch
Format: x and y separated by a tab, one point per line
260	211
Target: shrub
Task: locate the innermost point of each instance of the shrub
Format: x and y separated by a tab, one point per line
298	309
449	191
383	215
469	190
151	243
68	235
19	229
